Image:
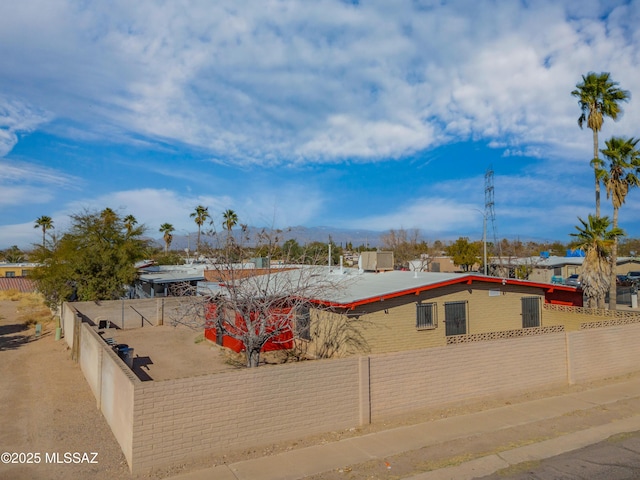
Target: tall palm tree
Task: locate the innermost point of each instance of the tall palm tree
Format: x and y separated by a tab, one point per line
200	215
230	220
618	177
167	229
45	223
598	97
129	222
595	239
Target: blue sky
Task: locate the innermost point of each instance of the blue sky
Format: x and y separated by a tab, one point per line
366	115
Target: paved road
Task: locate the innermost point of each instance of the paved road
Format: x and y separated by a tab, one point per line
617	458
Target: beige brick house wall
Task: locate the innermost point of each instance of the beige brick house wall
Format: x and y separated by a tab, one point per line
390	326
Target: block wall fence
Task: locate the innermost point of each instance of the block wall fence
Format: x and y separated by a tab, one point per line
161	423
127	314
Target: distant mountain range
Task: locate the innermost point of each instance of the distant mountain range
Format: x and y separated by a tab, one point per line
302	235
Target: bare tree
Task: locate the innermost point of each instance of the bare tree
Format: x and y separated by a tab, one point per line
406	246
268	305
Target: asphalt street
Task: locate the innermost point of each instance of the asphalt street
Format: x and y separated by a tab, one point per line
617	458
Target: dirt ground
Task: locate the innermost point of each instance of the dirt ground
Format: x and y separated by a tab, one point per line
49	409
166	352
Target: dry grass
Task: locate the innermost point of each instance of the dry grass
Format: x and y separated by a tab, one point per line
31	307
13	295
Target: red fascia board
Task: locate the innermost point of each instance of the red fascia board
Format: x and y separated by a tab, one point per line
466	279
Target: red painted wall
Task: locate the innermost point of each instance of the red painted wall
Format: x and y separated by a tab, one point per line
283	341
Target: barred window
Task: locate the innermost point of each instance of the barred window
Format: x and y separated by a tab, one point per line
426	315
303	323
455	317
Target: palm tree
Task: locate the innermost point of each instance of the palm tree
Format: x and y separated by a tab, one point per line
200	215
595	239
618	178
129	222
230	220
45	223
598	97
167	228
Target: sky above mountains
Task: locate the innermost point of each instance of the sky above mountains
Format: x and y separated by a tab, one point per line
364	114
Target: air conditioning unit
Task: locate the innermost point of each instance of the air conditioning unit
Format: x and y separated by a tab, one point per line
376	261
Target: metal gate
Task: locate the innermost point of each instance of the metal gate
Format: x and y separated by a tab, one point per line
455	314
530	312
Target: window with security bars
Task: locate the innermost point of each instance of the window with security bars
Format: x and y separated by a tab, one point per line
455	317
530	312
303	323
426	315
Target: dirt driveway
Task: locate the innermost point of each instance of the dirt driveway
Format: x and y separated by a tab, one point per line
48	409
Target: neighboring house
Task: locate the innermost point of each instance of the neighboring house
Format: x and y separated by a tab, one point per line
548	269
428	263
14	276
20	284
13	270
554	269
627	264
165	280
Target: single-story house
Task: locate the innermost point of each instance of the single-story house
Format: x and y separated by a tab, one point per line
162	280
15	270
403	310
19	284
411	310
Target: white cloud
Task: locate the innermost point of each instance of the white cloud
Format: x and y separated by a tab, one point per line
16	117
432	215
25	184
301	81
267	206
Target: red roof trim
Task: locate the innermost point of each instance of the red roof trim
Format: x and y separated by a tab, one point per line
467	279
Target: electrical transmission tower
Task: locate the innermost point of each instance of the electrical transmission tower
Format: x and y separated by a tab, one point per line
490	213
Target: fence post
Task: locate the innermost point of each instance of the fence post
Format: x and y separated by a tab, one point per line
160	311
365	390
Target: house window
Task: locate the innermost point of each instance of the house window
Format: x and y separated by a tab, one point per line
10	274
25	273
530	312
426	316
303	323
455	317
